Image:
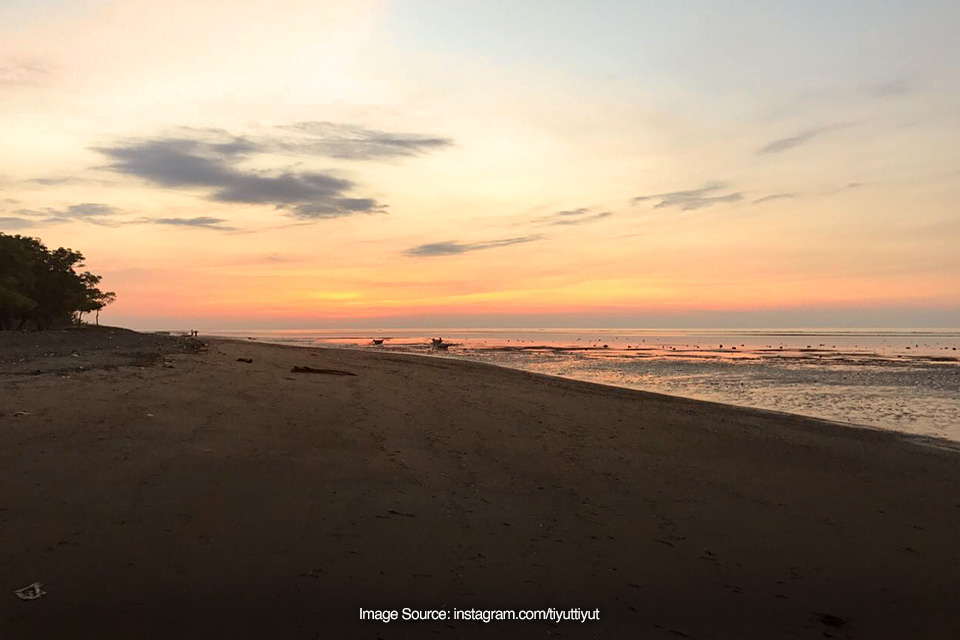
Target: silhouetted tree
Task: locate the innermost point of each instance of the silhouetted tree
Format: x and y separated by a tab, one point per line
94	300
41	288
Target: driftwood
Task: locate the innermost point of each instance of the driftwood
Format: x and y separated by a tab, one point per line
329	372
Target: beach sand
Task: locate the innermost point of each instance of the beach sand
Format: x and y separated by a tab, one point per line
168	490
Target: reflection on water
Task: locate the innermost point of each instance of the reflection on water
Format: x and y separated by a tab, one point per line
905	380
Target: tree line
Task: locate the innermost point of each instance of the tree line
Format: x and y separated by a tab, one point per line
42	289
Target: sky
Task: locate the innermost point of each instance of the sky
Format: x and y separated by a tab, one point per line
310	164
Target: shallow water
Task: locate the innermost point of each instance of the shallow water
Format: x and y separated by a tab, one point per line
903	380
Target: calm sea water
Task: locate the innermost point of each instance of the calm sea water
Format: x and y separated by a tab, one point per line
903	380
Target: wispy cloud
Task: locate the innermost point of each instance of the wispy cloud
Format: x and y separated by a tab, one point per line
58	181
22	73
850	186
573	217
201	222
92	212
15	224
103	215
692	199
889	89
452	247
783	144
775	196
352	142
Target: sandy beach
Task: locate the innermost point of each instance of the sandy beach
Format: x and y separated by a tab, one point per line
163	487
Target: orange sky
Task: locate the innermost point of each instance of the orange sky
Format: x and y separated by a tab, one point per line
312	163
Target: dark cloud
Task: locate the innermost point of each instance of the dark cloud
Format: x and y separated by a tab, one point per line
783	144
210	163
690	200
172	162
451	247
284	189
204	222
336	208
351	142
574	217
775	196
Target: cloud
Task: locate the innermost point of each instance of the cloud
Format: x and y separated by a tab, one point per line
450	247
203	222
573	212
573	217
850	186
212	166
783	144
22	74
352	142
104	215
212	160
52	182
13	224
92	212
775	196
57	181
888	89
583	219
692	199
85	211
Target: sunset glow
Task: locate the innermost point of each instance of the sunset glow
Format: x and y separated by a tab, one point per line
308	164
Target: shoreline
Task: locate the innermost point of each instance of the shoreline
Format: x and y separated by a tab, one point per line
914	438
173	489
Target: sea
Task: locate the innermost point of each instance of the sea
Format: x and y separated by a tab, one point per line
904	380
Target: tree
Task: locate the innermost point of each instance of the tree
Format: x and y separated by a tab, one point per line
94	299
40	288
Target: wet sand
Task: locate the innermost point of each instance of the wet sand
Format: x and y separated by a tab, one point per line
167	489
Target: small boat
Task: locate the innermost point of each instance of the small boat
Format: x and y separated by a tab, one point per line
378	341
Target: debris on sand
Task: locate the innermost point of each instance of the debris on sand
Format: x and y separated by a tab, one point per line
329	372
831	620
31	591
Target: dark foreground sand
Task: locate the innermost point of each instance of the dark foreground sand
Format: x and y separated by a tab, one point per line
170	492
